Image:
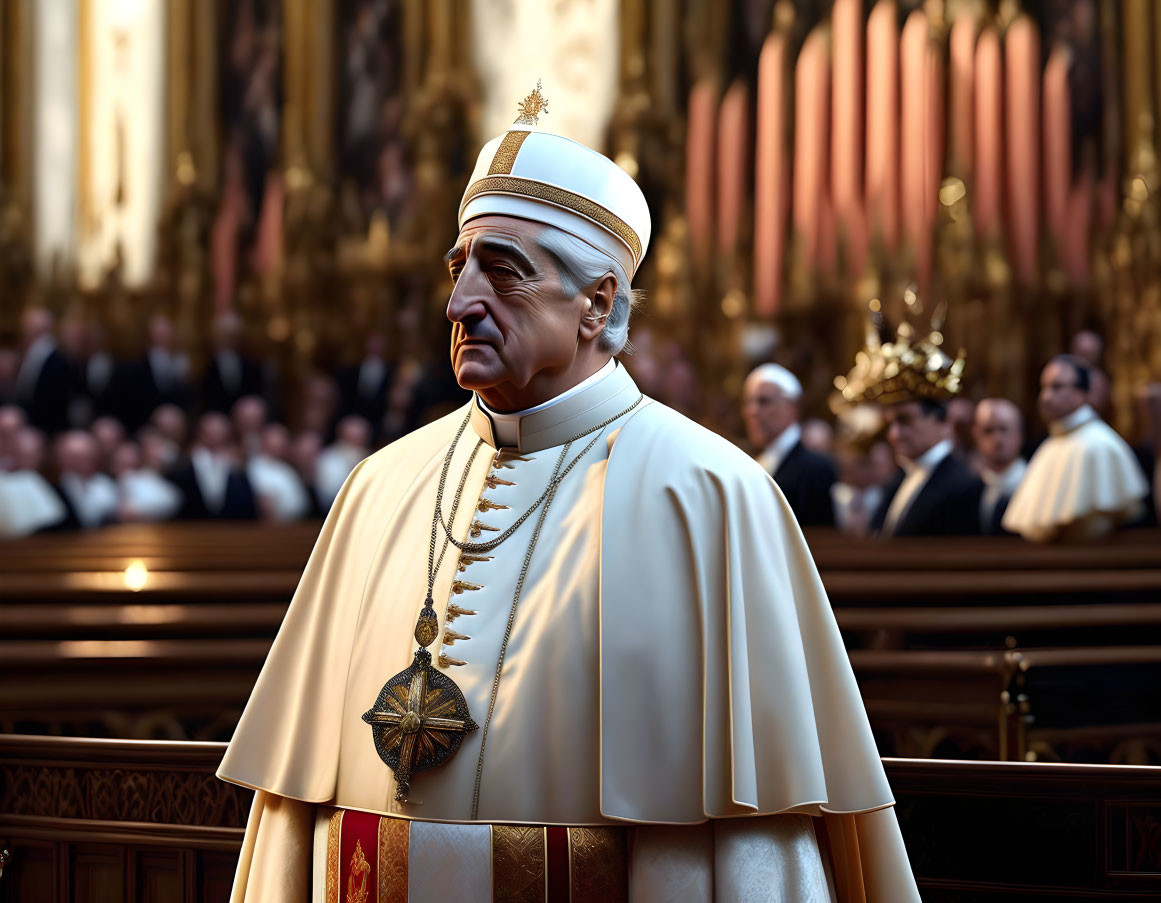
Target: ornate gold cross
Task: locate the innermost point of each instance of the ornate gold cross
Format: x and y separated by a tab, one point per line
418	721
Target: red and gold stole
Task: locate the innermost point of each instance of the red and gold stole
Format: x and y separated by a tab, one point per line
369	858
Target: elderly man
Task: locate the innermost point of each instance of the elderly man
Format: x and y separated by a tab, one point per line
45	382
557	612
28	502
770	407
1083	480
89	494
998	432
213	482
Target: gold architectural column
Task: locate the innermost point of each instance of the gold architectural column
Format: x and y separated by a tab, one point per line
308	76
1138	78
192	141
15	84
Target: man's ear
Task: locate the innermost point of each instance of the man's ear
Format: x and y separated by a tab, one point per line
598	308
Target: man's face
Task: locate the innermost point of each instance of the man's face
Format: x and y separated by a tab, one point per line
1060	393
511	319
911	431
998	433
766	410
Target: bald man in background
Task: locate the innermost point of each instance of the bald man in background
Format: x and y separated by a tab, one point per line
998	431
770	407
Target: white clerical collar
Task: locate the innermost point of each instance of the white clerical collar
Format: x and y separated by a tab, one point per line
1079	417
603	395
930	459
775	453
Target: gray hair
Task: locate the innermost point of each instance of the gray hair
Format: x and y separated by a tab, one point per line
579	264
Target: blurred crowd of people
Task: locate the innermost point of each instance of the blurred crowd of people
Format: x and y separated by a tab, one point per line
945	467
88	440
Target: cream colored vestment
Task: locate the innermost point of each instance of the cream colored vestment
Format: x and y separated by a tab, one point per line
673	656
1082	482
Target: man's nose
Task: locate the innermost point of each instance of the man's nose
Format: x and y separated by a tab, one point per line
469	294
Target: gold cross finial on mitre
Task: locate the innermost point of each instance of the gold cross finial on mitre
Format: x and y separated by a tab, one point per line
531	107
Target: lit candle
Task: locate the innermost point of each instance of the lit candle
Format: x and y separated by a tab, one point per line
883	122
914	138
846	185
1057	143
699	187
989	106
962	50
812	90
771	176
733	164
1022	77
847	105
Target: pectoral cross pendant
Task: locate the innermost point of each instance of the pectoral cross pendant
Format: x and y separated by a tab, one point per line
420	717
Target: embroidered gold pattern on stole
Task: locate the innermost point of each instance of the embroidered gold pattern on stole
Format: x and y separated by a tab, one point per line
394	848
479	527
459	587
598	865
492	481
506	153
360	869
518	864
334	833
446	661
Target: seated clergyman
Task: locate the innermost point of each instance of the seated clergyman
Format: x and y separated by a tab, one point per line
563	643
1083	481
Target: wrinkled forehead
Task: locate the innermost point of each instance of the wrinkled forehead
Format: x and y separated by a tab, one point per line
522	233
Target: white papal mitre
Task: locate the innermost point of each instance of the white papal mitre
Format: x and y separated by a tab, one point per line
536	175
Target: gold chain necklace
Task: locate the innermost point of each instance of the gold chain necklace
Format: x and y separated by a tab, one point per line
475	548
421	717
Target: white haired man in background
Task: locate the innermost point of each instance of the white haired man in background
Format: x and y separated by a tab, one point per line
771	401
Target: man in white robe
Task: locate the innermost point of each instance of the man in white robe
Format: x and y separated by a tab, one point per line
657	704
1084	480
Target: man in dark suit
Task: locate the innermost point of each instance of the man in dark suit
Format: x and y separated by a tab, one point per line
770	407
160	377
229	374
46	382
213	482
363	387
934	493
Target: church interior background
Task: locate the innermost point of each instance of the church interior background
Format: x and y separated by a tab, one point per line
978	171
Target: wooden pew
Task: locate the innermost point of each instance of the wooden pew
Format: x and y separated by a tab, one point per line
92	821
84	649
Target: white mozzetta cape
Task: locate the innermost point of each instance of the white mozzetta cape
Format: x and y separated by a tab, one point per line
725	689
1082	481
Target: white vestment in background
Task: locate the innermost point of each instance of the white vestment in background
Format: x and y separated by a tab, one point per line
1082	482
